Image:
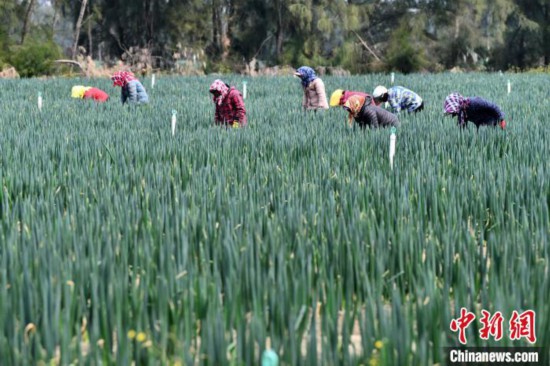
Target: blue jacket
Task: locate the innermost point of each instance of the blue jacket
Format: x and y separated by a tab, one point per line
134	92
482	112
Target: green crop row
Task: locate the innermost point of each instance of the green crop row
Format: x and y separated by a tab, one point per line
121	243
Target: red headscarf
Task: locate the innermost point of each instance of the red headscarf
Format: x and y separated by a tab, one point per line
221	89
121	78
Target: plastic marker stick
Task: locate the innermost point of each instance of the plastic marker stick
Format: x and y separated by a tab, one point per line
173	122
393	138
392	77
153	81
244	89
269	357
509	87
40	101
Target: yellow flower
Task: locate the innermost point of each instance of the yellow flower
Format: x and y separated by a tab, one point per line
141	337
131	334
378	344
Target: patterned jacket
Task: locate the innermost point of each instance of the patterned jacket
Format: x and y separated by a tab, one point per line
402	98
231	109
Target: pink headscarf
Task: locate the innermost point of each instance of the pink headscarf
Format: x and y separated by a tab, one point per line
220	87
121	78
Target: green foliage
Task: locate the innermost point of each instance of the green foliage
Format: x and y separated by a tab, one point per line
404	54
121	243
34	57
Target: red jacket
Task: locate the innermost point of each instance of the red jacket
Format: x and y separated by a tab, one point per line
232	109
348	93
96	94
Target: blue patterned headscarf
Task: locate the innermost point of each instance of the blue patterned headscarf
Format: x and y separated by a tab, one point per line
307	75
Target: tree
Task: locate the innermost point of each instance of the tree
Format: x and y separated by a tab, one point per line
77	28
26	21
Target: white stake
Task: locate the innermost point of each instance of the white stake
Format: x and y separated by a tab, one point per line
269	357
40	101
244	89
393	138
173	122
509	87
392	77
153	81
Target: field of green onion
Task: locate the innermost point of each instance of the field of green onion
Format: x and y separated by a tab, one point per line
121	244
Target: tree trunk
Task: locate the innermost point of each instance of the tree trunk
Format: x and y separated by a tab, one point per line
77	28
215	27
280	32
546	34
26	21
90	40
54	20
457	27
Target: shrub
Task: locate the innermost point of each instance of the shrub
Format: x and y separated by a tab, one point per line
34	58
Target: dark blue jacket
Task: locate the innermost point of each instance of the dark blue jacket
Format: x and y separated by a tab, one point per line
134	92
481	112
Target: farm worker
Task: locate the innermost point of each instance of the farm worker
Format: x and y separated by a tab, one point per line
314	89
339	97
474	109
230	110
368	114
399	98
88	92
132	90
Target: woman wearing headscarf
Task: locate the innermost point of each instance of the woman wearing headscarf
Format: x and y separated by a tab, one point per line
132	90
366	114
230	109
339	97
88	92
315	96
473	109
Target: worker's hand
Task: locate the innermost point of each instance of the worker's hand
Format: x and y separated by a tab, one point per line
503	124
236	124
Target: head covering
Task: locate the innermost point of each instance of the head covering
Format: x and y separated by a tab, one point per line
353	105
221	88
336	97
78	91
307	75
379	91
121	78
454	102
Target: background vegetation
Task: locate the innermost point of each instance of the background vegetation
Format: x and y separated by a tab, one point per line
230	35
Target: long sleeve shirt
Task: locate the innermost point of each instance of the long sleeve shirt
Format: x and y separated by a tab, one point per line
401	98
374	117
134	92
480	112
231	110
315	96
